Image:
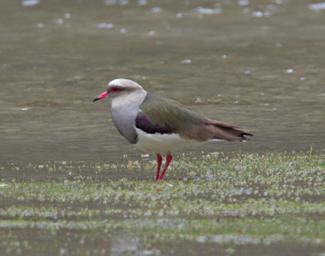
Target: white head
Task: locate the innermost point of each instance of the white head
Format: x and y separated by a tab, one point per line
119	87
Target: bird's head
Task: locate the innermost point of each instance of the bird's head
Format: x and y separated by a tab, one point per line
119	87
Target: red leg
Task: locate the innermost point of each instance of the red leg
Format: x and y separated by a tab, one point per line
169	158
159	160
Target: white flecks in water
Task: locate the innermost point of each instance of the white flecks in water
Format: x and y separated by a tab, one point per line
270	9
110	2
274	109
278	2
243	2
267	14
226	239
302	78
264	11
208	11
142	2
317	6
59	21
198	100
105	25
67	15
246	10
123	2
24	109
29	2
150	252
40	25
63	251
258	14
186	61
247	72
278	45
202	239
156	10
289	70
225	56
123	30
116	2
239	239
236	239
179	15
151	33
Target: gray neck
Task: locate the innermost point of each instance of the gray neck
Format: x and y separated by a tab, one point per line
124	110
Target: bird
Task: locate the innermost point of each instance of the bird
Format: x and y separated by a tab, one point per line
160	125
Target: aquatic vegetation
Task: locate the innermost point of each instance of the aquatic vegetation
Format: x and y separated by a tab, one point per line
249	199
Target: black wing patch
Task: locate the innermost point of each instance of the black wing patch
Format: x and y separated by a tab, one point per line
145	124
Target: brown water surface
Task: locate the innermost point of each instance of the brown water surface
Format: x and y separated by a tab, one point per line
258	64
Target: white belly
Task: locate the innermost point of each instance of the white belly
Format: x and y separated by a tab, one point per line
162	143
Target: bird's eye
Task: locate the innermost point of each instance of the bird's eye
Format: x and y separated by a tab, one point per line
115	89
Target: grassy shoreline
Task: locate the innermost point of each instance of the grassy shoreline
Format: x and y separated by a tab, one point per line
228	204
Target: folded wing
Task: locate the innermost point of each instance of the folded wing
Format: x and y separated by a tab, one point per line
164	116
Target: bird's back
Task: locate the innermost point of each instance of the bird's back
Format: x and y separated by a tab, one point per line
161	115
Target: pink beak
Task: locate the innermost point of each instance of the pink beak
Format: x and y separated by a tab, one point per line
101	96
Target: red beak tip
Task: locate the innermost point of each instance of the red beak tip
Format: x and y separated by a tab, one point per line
101	96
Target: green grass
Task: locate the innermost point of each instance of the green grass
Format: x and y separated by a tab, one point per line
229	203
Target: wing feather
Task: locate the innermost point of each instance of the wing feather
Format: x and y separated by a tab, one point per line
160	115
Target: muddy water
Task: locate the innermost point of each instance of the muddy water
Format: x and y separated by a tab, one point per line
258	64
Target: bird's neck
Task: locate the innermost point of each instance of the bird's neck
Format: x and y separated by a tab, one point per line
130	100
124	111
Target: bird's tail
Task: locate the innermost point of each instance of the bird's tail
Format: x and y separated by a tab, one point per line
224	131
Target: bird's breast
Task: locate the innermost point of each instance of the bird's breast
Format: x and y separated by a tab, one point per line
161	143
124	110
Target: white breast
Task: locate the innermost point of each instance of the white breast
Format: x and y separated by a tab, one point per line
162	143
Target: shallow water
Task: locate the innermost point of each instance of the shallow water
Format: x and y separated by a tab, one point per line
260	66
